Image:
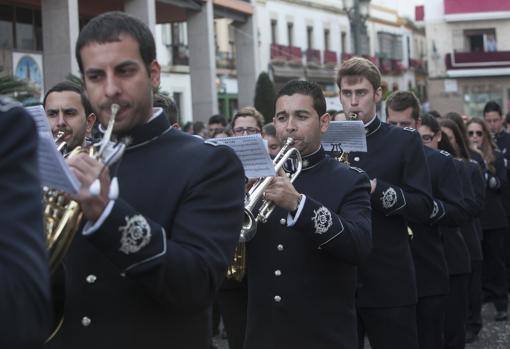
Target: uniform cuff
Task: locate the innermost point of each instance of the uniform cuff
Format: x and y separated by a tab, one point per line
128	238
317	220
387	198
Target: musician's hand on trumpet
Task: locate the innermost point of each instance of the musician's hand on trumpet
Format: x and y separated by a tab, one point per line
282	193
87	170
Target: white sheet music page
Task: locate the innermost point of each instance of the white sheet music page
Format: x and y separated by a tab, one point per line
252	152
53	170
349	134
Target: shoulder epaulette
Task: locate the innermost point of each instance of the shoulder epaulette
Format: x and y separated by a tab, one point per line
357	169
445	153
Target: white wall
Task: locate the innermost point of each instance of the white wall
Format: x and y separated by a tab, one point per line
302	17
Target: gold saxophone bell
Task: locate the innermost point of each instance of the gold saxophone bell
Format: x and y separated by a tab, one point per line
254	199
62	216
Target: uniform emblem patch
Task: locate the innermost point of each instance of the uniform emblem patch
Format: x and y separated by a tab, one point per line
389	198
435	210
322	220
136	234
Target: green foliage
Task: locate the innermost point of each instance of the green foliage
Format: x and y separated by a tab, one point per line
18	89
265	96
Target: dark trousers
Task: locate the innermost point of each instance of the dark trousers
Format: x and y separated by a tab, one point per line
233	304
474	309
430	320
507	256
494	269
456	305
388	328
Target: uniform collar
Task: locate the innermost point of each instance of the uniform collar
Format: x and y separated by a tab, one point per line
151	130
312	160
373	126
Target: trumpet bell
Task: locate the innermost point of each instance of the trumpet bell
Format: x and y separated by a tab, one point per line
249	228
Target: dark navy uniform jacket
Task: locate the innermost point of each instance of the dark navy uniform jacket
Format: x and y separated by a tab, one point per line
302	279
494	215
426	244
455	240
146	277
395	157
474	203
503	142
25	312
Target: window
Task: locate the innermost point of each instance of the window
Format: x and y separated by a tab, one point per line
290	33
309	37
177	97
6	21
343	43
274	27
25	38
480	40
20	28
326	39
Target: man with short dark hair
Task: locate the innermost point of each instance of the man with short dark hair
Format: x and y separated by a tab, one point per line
69	111
153	253
217	123
401	192
428	245
302	262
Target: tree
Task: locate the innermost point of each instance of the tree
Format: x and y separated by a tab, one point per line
18	89
265	97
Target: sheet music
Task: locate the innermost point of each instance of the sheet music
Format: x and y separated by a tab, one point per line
252	152
349	134
53	170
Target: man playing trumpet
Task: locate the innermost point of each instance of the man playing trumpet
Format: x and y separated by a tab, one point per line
302	262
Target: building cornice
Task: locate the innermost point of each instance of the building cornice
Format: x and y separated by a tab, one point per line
236	5
311	4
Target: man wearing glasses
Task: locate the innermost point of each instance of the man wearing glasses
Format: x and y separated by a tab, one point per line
432	282
247	121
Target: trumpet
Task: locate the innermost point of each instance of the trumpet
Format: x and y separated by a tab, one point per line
254	196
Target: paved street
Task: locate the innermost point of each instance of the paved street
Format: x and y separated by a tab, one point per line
494	335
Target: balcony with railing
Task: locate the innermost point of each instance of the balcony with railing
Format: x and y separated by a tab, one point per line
330	58
397	67
286	54
477	60
313	57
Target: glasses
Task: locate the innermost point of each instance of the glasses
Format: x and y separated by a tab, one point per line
248	130
472	133
426	138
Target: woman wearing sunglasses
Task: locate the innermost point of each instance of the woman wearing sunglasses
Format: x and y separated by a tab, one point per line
494	222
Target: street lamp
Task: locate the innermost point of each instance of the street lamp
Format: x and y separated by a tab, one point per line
357	12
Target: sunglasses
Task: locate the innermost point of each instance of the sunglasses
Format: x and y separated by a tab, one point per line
472	133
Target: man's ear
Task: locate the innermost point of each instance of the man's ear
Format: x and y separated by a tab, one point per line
324	120
91	119
155	74
378	94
